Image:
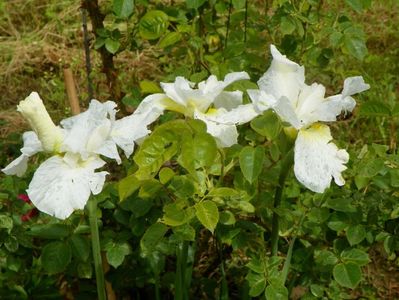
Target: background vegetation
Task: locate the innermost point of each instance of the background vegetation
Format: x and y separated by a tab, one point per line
351	229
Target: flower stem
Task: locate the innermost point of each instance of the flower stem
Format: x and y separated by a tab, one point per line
95	243
285	168
181	264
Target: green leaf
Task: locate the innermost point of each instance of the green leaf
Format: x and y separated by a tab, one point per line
223	192
55	257
182	187
276	292
372	167
123	8
116	253
251	162
174	215
340	204
257	283
149	188
239	4
184	232
194	4
84	270
80	247
355	234
287	26
150	87
227	218
355	42
356	256
170	39
11	243
165	175
325	258
127	186
160	146
267	125
359	5
347	274
153	24
6	222
152	237
198	151
208	214
374	108
50	231
112	45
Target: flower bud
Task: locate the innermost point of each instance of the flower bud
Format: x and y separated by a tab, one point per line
34	111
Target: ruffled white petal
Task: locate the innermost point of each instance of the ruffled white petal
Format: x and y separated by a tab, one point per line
261	100
333	106
88	128
317	160
225	135
284	78
62	185
32	145
188	99
354	85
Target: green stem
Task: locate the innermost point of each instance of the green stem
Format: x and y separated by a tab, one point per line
285	168
287	262
157	292
181	263
95	243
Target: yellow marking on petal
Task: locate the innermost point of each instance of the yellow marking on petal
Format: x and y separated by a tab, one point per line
212	111
169	104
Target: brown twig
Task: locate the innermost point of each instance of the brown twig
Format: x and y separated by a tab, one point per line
109	69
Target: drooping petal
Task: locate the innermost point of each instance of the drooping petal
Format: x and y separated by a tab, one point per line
225	135
235	76
317	160
154	105
31	146
18	166
60	186
34	111
239	115
128	130
284	78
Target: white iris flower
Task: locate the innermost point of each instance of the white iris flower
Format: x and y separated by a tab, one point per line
283	88
64	182
220	110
